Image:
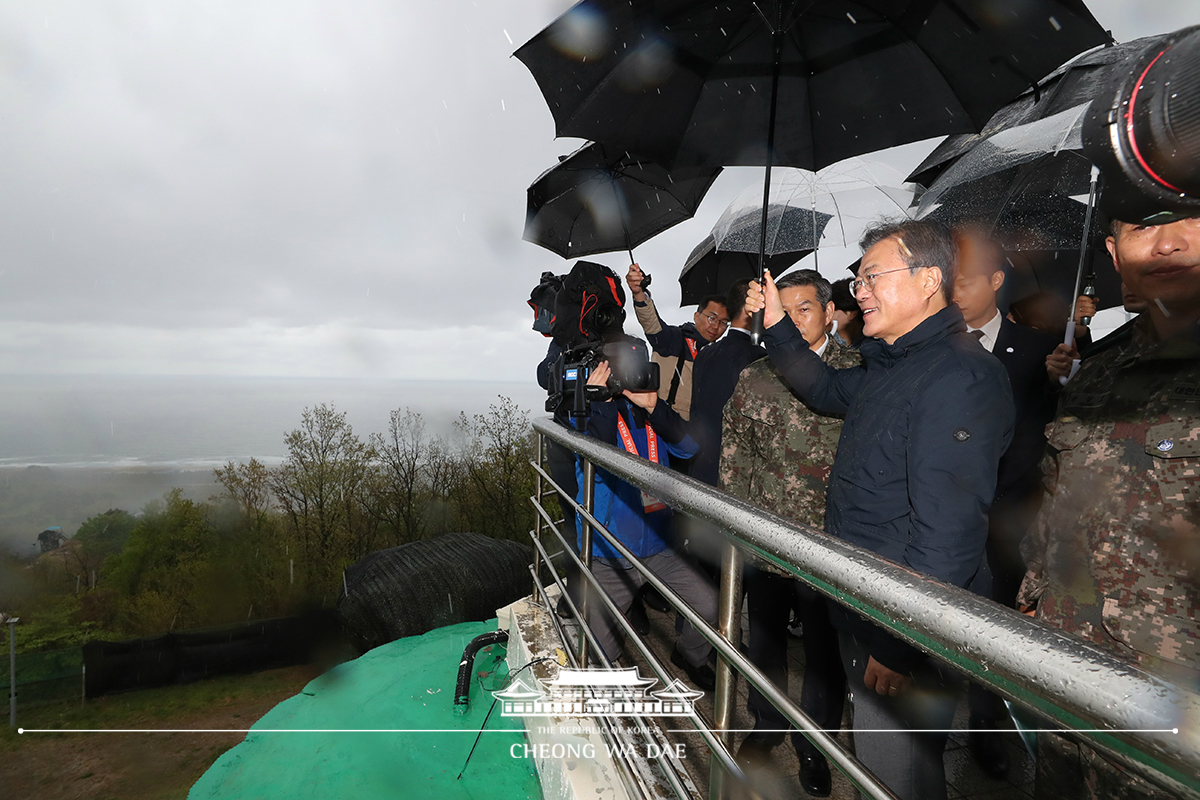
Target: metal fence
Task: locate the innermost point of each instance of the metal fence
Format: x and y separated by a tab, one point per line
1143	722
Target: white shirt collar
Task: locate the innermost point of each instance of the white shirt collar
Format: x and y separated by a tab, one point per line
991	330
820	351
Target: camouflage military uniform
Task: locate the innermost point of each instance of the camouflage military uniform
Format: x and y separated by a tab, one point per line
777	453
1113	557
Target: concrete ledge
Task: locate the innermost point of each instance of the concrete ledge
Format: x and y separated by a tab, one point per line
569	752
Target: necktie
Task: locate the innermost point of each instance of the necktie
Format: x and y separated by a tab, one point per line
978	335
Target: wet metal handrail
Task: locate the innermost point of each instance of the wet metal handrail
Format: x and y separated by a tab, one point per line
1117	707
723	764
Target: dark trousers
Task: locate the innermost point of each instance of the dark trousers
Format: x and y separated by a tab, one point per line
823	694
1010	519
885	740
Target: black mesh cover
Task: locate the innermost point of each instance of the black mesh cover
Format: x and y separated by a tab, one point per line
414	588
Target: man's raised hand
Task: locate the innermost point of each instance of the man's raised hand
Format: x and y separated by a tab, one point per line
634	279
768	301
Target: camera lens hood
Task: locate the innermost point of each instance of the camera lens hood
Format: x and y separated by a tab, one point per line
1143	132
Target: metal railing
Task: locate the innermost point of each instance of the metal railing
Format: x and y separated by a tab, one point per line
1145	723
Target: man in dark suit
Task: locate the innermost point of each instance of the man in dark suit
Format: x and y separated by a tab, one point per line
1022	351
713	380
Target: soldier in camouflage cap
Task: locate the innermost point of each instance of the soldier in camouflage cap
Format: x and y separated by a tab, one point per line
778	453
1114	555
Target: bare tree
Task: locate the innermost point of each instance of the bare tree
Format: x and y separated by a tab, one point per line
403	490
320	488
495	461
249	487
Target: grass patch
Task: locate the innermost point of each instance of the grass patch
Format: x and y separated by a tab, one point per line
163	707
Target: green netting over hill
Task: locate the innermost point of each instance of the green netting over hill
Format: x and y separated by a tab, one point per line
407	684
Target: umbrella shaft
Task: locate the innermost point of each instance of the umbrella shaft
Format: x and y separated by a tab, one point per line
1083	243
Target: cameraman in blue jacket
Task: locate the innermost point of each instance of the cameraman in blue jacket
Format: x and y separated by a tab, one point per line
648	428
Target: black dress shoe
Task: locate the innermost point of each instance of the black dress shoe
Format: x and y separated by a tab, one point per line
655	600
564	610
755	750
814	775
637	617
702	676
990	753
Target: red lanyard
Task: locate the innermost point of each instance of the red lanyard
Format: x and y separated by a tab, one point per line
627	438
691	344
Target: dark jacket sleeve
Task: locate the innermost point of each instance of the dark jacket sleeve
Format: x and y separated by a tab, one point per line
673	430
602	422
543	369
960	426
824	389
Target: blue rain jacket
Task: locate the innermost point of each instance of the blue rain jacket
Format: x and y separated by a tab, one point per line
618	505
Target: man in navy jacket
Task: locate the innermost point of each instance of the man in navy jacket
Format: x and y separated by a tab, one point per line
927	418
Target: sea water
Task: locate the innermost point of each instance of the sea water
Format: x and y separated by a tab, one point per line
200	422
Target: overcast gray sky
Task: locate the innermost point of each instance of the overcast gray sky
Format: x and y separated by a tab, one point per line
294	188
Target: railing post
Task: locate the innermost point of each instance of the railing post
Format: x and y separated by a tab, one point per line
585	554
12	672
729	624
537	518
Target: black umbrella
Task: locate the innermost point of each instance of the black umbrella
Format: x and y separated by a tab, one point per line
711	271
1031	189
798	84
597	201
691	82
1072	84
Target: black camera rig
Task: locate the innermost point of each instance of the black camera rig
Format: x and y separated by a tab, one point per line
628	359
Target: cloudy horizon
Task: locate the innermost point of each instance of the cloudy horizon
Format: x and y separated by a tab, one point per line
305	189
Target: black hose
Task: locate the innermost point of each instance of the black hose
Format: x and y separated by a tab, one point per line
462	689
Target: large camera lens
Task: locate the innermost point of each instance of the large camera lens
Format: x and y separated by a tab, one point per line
1164	117
609	317
1143	131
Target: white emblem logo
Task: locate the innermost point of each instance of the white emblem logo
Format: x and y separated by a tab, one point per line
1165	445
596	692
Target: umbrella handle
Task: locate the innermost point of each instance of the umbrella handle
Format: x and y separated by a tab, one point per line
1069	341
1075	362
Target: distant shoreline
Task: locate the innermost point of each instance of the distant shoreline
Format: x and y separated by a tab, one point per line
151	467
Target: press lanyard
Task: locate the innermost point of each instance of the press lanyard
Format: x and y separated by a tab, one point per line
649	503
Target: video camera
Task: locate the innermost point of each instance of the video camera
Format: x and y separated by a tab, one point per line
588	312
627	357
1143	132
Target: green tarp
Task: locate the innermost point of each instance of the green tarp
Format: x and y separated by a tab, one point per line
407	685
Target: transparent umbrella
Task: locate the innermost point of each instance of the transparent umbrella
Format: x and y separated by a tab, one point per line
1037	146
829	208
1031	189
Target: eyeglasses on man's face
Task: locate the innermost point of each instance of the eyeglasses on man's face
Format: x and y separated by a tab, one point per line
713	319
868	280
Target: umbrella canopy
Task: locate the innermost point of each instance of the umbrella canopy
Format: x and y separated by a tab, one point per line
711	271
1069	86
597	200
1028	185
811	210
699	82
